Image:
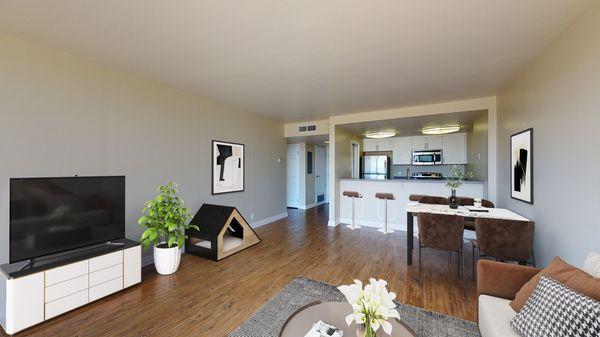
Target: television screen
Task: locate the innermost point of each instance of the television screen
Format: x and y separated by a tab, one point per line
53	215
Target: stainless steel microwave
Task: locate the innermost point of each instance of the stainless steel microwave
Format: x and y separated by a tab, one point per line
427	157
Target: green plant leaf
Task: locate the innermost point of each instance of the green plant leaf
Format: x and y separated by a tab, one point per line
143	220
171	241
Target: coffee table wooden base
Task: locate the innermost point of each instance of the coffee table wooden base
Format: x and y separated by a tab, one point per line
333	313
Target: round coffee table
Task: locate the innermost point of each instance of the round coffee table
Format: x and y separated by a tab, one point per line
333	313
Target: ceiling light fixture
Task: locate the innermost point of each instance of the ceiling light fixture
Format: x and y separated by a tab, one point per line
326	141
380	134
442	130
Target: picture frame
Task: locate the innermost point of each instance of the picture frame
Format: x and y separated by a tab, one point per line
228	167
521	166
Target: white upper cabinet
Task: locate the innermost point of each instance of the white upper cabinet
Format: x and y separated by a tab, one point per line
419	143
454	149
370	144
434	142
402	150
427	142
384	144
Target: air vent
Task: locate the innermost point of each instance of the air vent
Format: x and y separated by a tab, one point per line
307	128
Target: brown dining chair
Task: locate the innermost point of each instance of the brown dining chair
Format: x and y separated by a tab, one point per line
466	201
504	240
416	197
442	232
433	200
487	203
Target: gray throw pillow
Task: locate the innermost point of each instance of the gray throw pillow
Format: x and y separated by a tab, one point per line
555	310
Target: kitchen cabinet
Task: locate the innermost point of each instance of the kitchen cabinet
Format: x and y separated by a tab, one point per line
427	143
370	144
401	150
454	150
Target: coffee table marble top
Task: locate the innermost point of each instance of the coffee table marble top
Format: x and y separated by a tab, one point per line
333	313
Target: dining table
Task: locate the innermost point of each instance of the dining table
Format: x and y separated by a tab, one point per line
469	213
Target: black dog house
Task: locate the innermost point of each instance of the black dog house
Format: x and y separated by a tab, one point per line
223	232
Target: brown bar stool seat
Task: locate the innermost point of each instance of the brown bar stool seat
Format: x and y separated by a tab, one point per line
354	195
385	197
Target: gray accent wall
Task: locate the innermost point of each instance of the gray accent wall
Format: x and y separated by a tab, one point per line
558	96
63	115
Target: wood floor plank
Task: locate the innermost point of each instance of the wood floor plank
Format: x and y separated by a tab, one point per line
206	298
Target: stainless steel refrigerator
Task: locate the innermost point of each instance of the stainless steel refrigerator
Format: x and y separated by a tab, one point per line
375	167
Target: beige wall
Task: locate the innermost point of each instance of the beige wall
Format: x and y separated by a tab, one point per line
62	115
343	161
558	96
477	148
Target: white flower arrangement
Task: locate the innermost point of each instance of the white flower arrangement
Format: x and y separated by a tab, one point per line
372	306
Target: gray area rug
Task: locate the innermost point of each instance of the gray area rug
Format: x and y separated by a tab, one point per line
268	321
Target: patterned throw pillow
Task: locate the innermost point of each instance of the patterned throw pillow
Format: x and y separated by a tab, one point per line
555	310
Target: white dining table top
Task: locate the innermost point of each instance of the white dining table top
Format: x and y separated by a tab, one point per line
493	213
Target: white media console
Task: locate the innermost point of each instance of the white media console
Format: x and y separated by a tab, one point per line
41	295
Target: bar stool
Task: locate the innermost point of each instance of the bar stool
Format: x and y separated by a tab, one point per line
385	197
353	195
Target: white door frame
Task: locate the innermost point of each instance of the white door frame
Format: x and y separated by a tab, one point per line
355	159
324	173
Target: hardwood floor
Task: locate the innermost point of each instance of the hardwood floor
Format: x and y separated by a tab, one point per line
205	298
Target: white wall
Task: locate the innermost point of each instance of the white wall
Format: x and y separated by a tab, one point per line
63	115
557	95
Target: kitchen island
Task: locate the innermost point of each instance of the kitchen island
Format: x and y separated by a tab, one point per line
370	211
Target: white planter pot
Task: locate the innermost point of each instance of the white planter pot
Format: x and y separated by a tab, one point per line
166	260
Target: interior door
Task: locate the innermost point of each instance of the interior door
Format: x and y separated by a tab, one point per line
293	175
320	173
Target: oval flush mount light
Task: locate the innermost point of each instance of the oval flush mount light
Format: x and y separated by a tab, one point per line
380	134
442	130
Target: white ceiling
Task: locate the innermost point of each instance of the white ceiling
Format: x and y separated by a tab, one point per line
412	126
300	60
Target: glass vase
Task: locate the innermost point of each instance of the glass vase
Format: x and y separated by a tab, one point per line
365	331
453	200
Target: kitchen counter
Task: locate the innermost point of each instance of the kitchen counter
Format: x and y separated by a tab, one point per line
404	180
369	211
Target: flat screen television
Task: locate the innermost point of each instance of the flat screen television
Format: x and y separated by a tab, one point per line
55	215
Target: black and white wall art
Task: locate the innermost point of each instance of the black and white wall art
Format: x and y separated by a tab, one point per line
227	167
521	169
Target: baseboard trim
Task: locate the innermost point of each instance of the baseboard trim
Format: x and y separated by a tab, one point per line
268	220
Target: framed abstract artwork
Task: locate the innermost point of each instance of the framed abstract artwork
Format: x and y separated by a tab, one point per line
521	166
228	167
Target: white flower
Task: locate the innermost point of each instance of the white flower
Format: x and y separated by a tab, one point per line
373	304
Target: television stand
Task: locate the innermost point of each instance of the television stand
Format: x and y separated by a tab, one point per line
37	290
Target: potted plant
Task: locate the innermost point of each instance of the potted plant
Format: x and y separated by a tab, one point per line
371	307
165	219
457	176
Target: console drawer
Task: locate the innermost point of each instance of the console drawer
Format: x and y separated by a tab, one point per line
105	275
63	289
106	261
65	304
105	289
66	273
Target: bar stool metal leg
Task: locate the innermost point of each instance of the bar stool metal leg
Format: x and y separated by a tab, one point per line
386	229
353	226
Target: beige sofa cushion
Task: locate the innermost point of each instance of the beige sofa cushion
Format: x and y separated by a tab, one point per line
592	265
494	315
